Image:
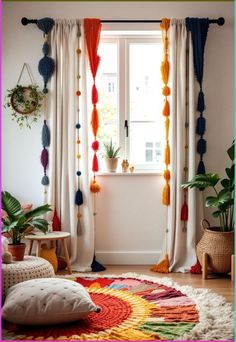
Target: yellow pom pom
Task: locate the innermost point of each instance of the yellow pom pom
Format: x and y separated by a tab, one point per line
78	141
78	51
95	187
78	156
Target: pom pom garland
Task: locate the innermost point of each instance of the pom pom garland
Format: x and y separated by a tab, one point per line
78	126
78	93
95	187
44	158
201	125
78	173
95	146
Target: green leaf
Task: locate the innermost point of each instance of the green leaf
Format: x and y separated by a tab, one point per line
212	202
38	211
226	183
230	152
216	214
202	181
10	204
40	224
224	196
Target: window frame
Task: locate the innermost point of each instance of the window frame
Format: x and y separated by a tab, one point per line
123	41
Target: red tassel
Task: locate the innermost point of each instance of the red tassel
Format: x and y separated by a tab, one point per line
94	95
184	212
196	269
95	163
56	223
95	121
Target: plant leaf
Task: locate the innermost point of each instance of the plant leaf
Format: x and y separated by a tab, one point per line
212	202
230	152
216	214
202	181
38	211
10	204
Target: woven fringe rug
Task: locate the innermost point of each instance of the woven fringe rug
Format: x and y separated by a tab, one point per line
136	307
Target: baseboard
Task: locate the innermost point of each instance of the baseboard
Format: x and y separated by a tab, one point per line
128	257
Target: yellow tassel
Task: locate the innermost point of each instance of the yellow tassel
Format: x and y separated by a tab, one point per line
166	91
166	108
95	187
167	125
167	154
165	71
162	266
165	24
166	194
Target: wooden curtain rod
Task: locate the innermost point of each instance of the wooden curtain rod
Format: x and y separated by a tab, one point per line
220	21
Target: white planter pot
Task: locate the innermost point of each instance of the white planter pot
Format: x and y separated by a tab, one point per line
111	164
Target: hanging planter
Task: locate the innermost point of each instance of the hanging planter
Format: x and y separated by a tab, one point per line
25	102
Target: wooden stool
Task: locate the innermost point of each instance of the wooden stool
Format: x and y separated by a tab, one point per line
52	237
205	270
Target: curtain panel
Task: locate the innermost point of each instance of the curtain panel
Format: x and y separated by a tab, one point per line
64	111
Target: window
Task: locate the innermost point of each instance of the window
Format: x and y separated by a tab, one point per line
129	83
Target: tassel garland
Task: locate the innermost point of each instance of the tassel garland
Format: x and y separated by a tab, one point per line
45	135
166	108
56	223
95	167
45	180
95	187
44	154
166	194
79	197
95	121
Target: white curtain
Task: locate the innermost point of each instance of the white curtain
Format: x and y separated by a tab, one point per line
181	244
65	110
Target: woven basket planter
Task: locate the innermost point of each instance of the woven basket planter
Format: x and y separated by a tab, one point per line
218	245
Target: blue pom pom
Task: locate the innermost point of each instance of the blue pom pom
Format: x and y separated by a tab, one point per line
45	90
78	197
45	24
201	102
78	125
45	135
201	125
78	173
46	68
45	180
201	146
45	49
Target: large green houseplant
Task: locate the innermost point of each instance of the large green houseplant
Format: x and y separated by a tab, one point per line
17	223
218	242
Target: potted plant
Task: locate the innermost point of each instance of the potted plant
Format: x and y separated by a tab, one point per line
111	154
25	103
217	242
16	224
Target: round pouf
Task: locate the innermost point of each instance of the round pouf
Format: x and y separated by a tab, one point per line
30	268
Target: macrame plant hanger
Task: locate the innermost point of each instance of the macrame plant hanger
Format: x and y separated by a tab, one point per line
163	265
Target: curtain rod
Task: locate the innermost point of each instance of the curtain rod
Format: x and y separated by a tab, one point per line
220	21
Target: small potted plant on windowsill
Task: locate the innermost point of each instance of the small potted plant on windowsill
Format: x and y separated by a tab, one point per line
217	242
16	223
111	154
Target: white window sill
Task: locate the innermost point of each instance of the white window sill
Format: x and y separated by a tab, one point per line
130	174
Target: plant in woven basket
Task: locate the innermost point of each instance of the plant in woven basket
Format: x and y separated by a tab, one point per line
25	103
223	199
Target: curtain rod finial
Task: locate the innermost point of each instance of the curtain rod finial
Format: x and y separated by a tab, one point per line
26	21
221	21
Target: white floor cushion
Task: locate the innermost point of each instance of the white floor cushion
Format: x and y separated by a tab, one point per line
47	301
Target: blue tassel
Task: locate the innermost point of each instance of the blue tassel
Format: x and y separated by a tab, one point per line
45	49
78	173
201	102
78	126
45	180
46	68
45	135
96	266
201	146
201	168
78	197
201	125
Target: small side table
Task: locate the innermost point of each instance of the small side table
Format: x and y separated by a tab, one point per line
52	237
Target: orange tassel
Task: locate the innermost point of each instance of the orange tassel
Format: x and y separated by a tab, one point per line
162	266
166	175
166	195
167	125
166	108
166	91
95	187
167	154
165	71
95	121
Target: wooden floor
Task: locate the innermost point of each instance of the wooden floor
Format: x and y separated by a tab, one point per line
221	285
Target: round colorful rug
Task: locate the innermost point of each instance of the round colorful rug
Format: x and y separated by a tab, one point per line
135	307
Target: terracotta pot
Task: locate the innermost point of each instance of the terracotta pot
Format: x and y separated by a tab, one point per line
218	245
111	164
17	251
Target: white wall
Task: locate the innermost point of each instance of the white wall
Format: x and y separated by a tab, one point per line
131	219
